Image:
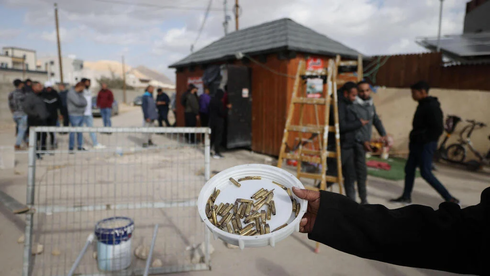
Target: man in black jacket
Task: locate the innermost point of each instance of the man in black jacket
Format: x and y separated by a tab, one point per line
53	105
37	113
349	124
217	114
449	239
427	128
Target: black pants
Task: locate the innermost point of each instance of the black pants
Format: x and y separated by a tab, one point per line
40	136
204	119
51	121
349	172
163	117
217	129
190	121
66	118
361	171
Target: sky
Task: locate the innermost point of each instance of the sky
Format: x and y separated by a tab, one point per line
156	34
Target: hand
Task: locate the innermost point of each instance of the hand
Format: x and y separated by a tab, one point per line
148	120
364	122
367	146
229	106
308	220
385	140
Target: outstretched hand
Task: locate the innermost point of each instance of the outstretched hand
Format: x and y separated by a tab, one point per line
308	220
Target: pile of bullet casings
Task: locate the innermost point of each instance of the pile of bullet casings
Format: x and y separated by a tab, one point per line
228	217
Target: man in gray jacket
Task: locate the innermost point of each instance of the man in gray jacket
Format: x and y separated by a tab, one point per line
150	113
16	100
364	108
76	103
191	104
37	113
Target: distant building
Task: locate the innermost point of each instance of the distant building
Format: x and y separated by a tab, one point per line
141	77
19	63
477	17
72	69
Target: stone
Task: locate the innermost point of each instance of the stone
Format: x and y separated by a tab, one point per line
21	239
56	252
94	255
37	249
157	263
231	246
142	252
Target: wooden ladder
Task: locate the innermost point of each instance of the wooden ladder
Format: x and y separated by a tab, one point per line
332	78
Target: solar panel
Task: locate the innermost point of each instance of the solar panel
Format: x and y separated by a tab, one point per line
462	45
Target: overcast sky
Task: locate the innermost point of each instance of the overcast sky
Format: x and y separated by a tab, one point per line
156	37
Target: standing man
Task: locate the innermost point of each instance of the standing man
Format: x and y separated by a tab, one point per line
364	108
349	124
64	109
217	114
149	113
204	101
88	119
27	86
427	127
16	101
37	113
105	99
53	105
191	111
76	103
163	102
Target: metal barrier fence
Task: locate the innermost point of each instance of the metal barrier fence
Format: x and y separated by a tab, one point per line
69	191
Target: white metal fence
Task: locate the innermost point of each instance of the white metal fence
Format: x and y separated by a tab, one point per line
70	191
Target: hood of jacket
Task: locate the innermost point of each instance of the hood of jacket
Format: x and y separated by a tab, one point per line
360	101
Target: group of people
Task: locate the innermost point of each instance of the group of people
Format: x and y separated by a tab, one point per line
210	111
34	104
357	115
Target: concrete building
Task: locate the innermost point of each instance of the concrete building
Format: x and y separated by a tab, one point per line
476	19
18	58
72	69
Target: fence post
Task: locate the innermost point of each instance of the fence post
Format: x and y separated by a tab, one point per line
31	177
207	165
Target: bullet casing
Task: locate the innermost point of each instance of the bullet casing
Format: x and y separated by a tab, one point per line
262	229
257	193
238	223
215	194
227	209
228	218
215	220
235	182
248	209
220	206
235	226
235	207
228	227
263	215
267	229
280	185
242	200
247	228
242	206
273	207
269	212
294	205
298	207
280	227
289	193
252	233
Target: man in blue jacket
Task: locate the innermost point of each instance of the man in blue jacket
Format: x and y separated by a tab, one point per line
150	113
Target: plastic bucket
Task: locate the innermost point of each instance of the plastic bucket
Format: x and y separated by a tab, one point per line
114	243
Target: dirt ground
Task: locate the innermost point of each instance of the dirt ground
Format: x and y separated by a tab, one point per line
293	256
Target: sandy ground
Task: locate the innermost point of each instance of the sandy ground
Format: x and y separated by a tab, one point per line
137	174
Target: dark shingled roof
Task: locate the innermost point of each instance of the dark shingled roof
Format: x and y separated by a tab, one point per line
282	34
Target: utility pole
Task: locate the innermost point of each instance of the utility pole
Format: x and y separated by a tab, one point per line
124	80
58	38
440	25
236	14
225	24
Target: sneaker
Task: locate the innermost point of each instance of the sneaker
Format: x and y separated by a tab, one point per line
17	148
218	156
99	146
401	200
82	149
150	143
453	200
145	145
71	151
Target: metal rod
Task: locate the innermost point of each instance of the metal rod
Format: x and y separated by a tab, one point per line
125	129
440	26
124	80
90	239
207	168
31	177
58	39
150	255
236	14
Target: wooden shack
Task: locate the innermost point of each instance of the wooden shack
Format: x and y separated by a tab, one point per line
271	52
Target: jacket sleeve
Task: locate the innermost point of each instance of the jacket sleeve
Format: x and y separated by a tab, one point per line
449	239
144	107
98	99
343	124
435	119
194	104
111	97
77	100
28	107
378	124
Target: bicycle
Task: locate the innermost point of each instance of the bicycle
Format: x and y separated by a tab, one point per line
449	126
456	153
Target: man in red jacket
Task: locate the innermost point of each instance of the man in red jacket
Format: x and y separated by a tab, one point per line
105	98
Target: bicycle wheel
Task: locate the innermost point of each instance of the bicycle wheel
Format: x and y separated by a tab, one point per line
456	153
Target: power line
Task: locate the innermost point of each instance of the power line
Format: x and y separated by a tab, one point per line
202	25
156	6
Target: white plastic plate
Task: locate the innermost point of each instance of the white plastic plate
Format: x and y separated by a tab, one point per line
229	193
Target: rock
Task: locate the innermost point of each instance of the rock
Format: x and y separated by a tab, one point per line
142	252
231	246
157	263
198	253
21	239
94	255
56	252
37	249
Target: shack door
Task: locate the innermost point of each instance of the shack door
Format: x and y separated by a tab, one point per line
239	125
